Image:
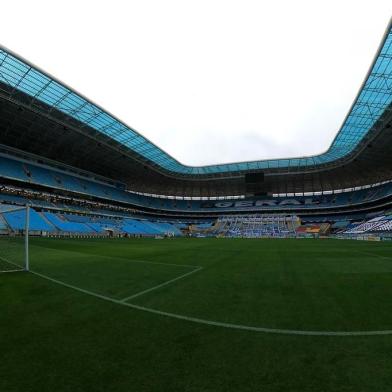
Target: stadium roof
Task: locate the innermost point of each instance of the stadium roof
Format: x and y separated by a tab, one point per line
373	99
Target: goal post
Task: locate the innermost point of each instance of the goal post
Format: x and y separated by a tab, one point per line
26	242
14	238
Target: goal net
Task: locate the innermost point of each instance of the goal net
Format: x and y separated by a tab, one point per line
14	229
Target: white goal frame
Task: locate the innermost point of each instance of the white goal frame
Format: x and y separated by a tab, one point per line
26	266
27	227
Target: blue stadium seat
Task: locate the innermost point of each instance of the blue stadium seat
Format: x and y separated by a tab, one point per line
62	224
17	221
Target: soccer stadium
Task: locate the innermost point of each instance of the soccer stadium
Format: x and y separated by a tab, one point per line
122	269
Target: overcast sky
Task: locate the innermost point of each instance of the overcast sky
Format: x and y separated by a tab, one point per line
208	81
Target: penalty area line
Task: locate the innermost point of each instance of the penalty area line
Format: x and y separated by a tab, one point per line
126	259
158	263
160	285
373	254
216	323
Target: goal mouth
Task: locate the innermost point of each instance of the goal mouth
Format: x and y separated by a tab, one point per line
14	238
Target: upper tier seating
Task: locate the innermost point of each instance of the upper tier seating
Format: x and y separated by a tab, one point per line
33	173
12	169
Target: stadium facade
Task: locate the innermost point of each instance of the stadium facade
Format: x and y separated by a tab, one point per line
57	148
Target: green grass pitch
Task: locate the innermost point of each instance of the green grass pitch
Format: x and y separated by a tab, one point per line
197	315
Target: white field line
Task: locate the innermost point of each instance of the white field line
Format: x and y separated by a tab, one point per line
160	285
374	255
195	268
217	323
158	263
11	262
212	322
125	259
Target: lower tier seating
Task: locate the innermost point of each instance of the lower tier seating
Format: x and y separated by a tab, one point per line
58	223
